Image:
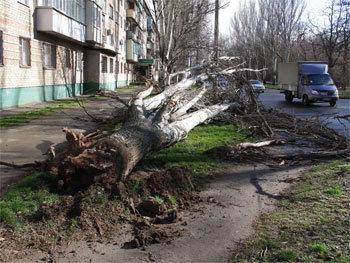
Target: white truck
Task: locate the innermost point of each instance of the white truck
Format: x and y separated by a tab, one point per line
307	80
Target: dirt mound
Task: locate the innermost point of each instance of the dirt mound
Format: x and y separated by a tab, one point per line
149	203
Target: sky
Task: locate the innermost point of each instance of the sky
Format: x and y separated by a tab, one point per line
313	7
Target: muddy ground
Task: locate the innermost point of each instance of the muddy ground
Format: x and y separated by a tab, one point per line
183	221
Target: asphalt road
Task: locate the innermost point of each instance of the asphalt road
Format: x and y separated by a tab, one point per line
321	111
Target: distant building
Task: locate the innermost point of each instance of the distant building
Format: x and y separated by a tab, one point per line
52	49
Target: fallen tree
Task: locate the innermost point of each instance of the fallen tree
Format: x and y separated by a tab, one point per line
152	123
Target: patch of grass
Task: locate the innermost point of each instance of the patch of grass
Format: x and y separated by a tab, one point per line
127	88
173	201
137	185
286	255
111	127
319	249
158	199
26	197
101	199
312	212
191	152
333	191
270	86
24	117
74	224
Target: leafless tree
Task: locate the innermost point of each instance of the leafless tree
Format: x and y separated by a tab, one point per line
267	29
333	37
178	25
184	31
281	24
288	19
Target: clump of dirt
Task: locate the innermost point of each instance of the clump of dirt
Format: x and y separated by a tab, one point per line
149	202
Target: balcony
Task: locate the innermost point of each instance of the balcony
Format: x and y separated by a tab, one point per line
93	23
131	54
131	14
51	21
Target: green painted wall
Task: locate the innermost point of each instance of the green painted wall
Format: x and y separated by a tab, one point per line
14	97
123	83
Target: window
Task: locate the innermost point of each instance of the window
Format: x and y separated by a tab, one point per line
117	66
49	56
1	50
97	18
110	39
116	41
79	61
104	64
116	17
72	8
110	11
111	65
137	49
24	52
67	58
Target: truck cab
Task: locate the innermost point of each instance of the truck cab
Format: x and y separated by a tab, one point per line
317	87
308	81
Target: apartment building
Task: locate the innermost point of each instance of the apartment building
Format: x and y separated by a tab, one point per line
53	49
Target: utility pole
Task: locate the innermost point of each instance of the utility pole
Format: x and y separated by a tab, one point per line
216	31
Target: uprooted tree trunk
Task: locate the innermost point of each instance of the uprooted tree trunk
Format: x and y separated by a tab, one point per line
152	124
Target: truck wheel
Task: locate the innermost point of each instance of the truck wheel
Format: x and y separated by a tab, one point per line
306	100
332	103
289	96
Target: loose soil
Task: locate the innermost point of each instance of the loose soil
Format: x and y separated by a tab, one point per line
161	215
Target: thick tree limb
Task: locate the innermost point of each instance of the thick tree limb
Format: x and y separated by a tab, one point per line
153	103
189	105
245	145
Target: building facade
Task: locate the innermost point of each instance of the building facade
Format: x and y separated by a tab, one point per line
52	49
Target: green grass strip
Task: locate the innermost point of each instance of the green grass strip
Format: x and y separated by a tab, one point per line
191	152
24	117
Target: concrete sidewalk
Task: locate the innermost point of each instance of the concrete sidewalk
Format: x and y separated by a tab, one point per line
28	142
